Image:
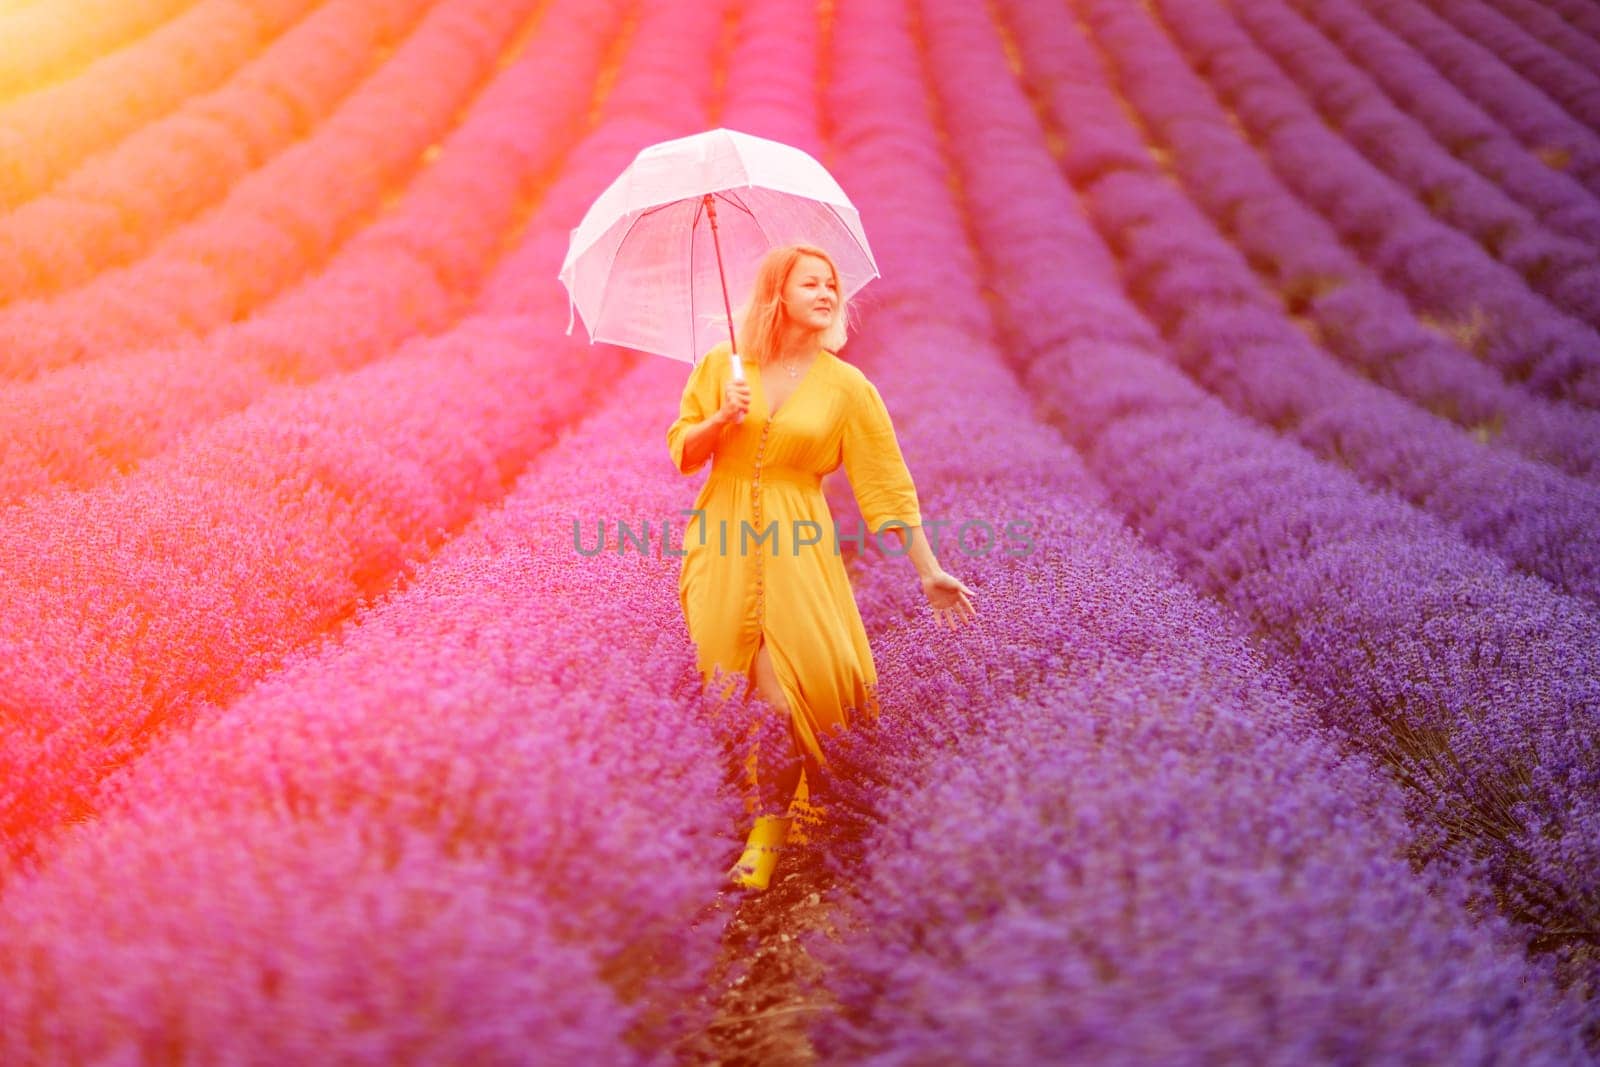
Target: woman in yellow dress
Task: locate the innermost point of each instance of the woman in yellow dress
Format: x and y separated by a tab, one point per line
763	586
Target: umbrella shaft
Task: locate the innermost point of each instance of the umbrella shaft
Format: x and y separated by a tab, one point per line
727	308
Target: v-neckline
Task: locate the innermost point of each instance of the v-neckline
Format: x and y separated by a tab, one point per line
799	383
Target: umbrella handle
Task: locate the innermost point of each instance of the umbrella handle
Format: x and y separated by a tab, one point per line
733	338
738	376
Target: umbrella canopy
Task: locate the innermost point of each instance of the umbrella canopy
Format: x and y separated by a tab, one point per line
647	269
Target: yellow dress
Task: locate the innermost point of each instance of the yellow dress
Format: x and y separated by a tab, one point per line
749	576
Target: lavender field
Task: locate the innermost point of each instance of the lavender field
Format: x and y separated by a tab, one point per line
1275	324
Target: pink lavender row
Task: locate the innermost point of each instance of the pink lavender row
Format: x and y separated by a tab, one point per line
589	447
117	206
497	786
1456	122
484	823
1296	243
1544	24
189	665
413	271
326	494
915	233
47	42
1536	120
519	702
1099	818
965	794
1572	85
47	132
770	86
1477	686
1325	289
1143	872
1579	14
1233	339
413	876
283	218
1225	334
429	951
1437	268
133	603
1562	268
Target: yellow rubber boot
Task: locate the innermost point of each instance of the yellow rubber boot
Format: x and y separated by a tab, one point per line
751	788
761	850
806	815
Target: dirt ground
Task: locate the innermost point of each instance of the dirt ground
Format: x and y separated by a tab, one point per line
765	990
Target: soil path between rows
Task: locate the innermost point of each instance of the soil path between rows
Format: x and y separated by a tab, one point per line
765	990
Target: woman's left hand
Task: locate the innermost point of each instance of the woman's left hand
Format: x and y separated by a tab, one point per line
950	599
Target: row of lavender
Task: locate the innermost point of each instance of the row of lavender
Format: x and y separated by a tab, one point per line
188	578
120	202
1459	126
1555	253
46	42
415	269
1546	22
1535	119
491	810
1573	85
276	221
516	730
1579	14
1325	288
424	651
1437	268
1230	334
480	828
1476	685
1115	832
64	123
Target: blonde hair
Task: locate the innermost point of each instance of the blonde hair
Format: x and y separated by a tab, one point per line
761	320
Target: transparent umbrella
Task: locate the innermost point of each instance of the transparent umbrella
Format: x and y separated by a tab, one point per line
653	262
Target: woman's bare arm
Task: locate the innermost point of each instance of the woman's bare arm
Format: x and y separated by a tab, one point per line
948	596
920	551
700	440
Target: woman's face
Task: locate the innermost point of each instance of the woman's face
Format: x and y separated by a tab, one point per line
810	295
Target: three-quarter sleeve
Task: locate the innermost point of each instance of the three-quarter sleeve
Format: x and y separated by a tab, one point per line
702	396
878	475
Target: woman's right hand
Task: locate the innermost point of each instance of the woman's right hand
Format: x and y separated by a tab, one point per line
735	401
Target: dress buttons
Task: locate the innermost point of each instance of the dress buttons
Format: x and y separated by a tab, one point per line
755	495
